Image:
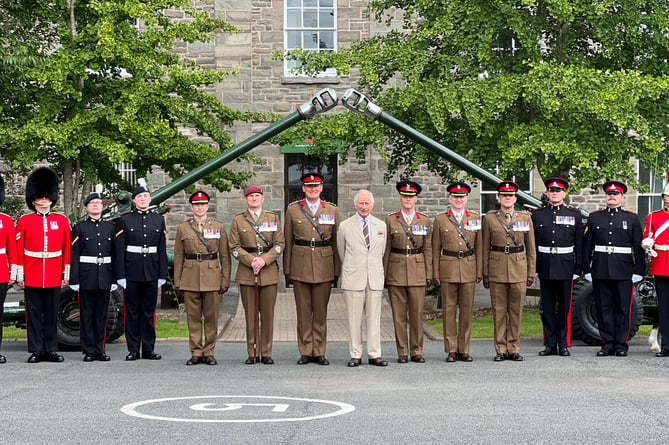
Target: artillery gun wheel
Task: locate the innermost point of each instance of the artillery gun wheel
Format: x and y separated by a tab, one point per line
115	321
584	314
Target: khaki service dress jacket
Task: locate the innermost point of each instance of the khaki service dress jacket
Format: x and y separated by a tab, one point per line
413	269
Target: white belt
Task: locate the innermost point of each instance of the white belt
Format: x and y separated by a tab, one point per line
3	251
43	255
554	250
613	249
95	259
662	247
140	249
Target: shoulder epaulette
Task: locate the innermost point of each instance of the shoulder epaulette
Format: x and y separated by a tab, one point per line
423	214
629	211
573	209
236	215
328	202
295	202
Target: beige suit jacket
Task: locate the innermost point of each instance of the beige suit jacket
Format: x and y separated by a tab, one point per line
359	264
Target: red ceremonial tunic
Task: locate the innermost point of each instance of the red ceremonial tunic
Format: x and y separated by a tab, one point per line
7	249
43	243
658	265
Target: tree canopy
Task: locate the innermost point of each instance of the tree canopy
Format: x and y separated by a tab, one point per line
83	87
575	87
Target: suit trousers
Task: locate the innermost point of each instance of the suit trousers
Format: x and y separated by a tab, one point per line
507	308
93	308
42	318
140	315
411	300
311	303
457	298
555	305
613	299
3	295
364	304
662	292
265	311
202	311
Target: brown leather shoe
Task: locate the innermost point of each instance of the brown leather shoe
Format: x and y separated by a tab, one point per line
417	358
464	357
515	357
378	361
452	357
303	360
500	357
210	360
403	359
194	360
321	360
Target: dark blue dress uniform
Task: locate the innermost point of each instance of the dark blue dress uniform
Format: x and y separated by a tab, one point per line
558	233
612	254
92	269
141	259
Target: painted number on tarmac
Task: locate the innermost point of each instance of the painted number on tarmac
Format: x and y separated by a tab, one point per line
236	409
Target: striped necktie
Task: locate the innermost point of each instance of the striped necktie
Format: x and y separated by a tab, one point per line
365	232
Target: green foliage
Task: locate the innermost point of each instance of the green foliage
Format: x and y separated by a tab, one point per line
574	87
87	93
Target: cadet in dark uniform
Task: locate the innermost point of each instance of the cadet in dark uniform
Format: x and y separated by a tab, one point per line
311	263
558	233
141	269
92	276
613	261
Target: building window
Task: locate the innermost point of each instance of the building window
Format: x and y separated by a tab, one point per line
489	194
297	164
649	202
127	172
309	25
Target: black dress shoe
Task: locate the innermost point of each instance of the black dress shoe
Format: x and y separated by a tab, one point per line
89	357
267	360
604	353
303	360
500	357
354	362
151	356
418	359
465	357
403	359
250	360
194	360
321	360
210	360
53	357
452	357
132	356
35	357
548	350
514	356
621	353
663	353
102	357
3	359
378	361
564	352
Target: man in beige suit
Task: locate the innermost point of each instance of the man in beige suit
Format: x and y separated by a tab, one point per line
457	267
257	241
361	241
202	275
408	266
509	256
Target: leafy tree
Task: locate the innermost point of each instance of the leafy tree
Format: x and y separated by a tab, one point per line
83	88
576	88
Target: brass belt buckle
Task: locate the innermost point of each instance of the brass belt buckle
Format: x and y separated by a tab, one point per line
553	250
99	261
45	255
610	249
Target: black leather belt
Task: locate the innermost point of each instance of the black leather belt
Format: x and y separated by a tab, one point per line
406	251
458	254
257	249
201	256
313	243
508	249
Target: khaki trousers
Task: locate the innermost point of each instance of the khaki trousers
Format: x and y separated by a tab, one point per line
266	304
364	304
457	334
311	302
202	310
411	300
507	307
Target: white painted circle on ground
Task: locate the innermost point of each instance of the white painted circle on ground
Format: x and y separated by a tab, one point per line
271	408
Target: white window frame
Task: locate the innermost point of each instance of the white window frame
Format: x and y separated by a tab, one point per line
127	172
305	7
652	201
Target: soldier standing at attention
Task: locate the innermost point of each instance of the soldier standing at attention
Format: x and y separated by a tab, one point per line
257	241
558	233
92	276
457	267
311	264
141	269
202	275
43	245
509	255
7	256
613	260
408	267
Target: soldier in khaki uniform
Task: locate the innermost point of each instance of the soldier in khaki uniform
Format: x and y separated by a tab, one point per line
311	264
457	267
509	256
408	267
257	241
202	274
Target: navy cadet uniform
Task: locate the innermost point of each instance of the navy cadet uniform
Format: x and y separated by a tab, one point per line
612	254
141	259
558	234
92	274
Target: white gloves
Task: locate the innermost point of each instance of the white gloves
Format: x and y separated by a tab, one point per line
588	277
647	243
122	283
113	288
74	287
636	278
161	282
575	277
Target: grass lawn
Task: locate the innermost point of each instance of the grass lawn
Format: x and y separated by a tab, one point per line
164	329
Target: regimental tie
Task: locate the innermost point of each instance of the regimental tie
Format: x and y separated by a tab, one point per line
365	232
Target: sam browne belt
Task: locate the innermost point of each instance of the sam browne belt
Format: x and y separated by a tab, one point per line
508	249
458	254
201	256
406	251
313	243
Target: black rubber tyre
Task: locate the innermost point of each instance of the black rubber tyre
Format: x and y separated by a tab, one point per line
584	314
115	320
68	320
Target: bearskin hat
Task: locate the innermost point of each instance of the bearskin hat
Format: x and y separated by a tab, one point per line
42	183
2	190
